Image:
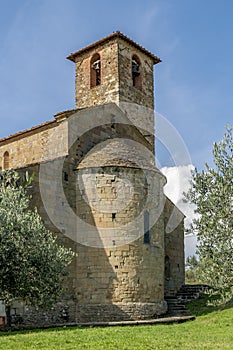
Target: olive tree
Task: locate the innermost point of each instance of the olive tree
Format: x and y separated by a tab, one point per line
212	193
32	263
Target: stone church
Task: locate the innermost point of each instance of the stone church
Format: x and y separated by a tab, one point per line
98	190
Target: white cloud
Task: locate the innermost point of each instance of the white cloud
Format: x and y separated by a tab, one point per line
178	178
178	182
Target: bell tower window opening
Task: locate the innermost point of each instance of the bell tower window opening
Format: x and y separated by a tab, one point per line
136	72
6	161
95	70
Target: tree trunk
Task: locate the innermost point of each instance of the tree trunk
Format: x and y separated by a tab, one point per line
8	316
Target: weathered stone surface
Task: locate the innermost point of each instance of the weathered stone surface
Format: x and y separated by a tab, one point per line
174	250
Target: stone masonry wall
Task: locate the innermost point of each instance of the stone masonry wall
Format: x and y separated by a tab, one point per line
107	91
115	283
116	76
126	275
174	249
129	93
137	103
31	147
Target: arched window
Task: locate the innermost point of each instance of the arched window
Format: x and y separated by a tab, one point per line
136	72
95	68
6	160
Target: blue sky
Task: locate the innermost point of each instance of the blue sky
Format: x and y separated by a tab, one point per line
194	83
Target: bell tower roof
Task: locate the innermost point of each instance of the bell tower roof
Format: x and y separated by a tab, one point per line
115	35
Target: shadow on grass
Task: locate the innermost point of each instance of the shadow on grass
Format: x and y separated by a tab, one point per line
200	306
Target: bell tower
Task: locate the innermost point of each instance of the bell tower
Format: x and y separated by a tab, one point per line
117	70
114	69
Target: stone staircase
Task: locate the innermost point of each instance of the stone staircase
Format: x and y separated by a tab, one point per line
175	307
177	303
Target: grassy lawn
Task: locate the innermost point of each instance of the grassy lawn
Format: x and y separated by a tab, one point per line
212	329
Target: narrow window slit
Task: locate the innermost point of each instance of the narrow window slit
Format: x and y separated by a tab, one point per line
66	176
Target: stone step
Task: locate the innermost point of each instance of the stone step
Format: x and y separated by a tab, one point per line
178	310
177	304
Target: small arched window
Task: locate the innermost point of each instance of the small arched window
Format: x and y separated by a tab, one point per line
95	68
136	72
6	160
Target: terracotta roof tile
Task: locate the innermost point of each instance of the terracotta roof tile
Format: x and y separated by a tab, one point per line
110	37
37	128
121	153
34	128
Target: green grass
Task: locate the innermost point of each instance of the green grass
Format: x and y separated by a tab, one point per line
212	329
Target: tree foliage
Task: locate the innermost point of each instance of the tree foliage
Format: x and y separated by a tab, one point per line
32	263
191	270
212	193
